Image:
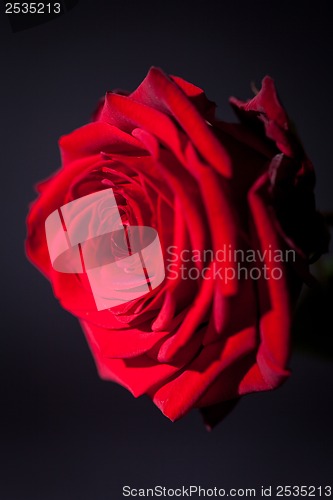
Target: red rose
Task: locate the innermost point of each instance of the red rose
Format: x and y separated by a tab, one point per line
209	332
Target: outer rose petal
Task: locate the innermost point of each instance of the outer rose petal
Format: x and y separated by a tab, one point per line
291	173
266	107
177	397
160	92
97	137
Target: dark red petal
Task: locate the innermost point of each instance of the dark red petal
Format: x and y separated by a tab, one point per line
178	396
198	98
160	92
124	342
265	107
275	302
138	375
95	138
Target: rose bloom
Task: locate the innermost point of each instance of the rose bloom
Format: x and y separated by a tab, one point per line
202	184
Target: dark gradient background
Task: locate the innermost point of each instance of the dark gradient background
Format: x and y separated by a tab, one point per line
65	434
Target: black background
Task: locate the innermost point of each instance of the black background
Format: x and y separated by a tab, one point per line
65	434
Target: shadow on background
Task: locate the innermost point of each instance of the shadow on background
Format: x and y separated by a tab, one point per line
313	326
